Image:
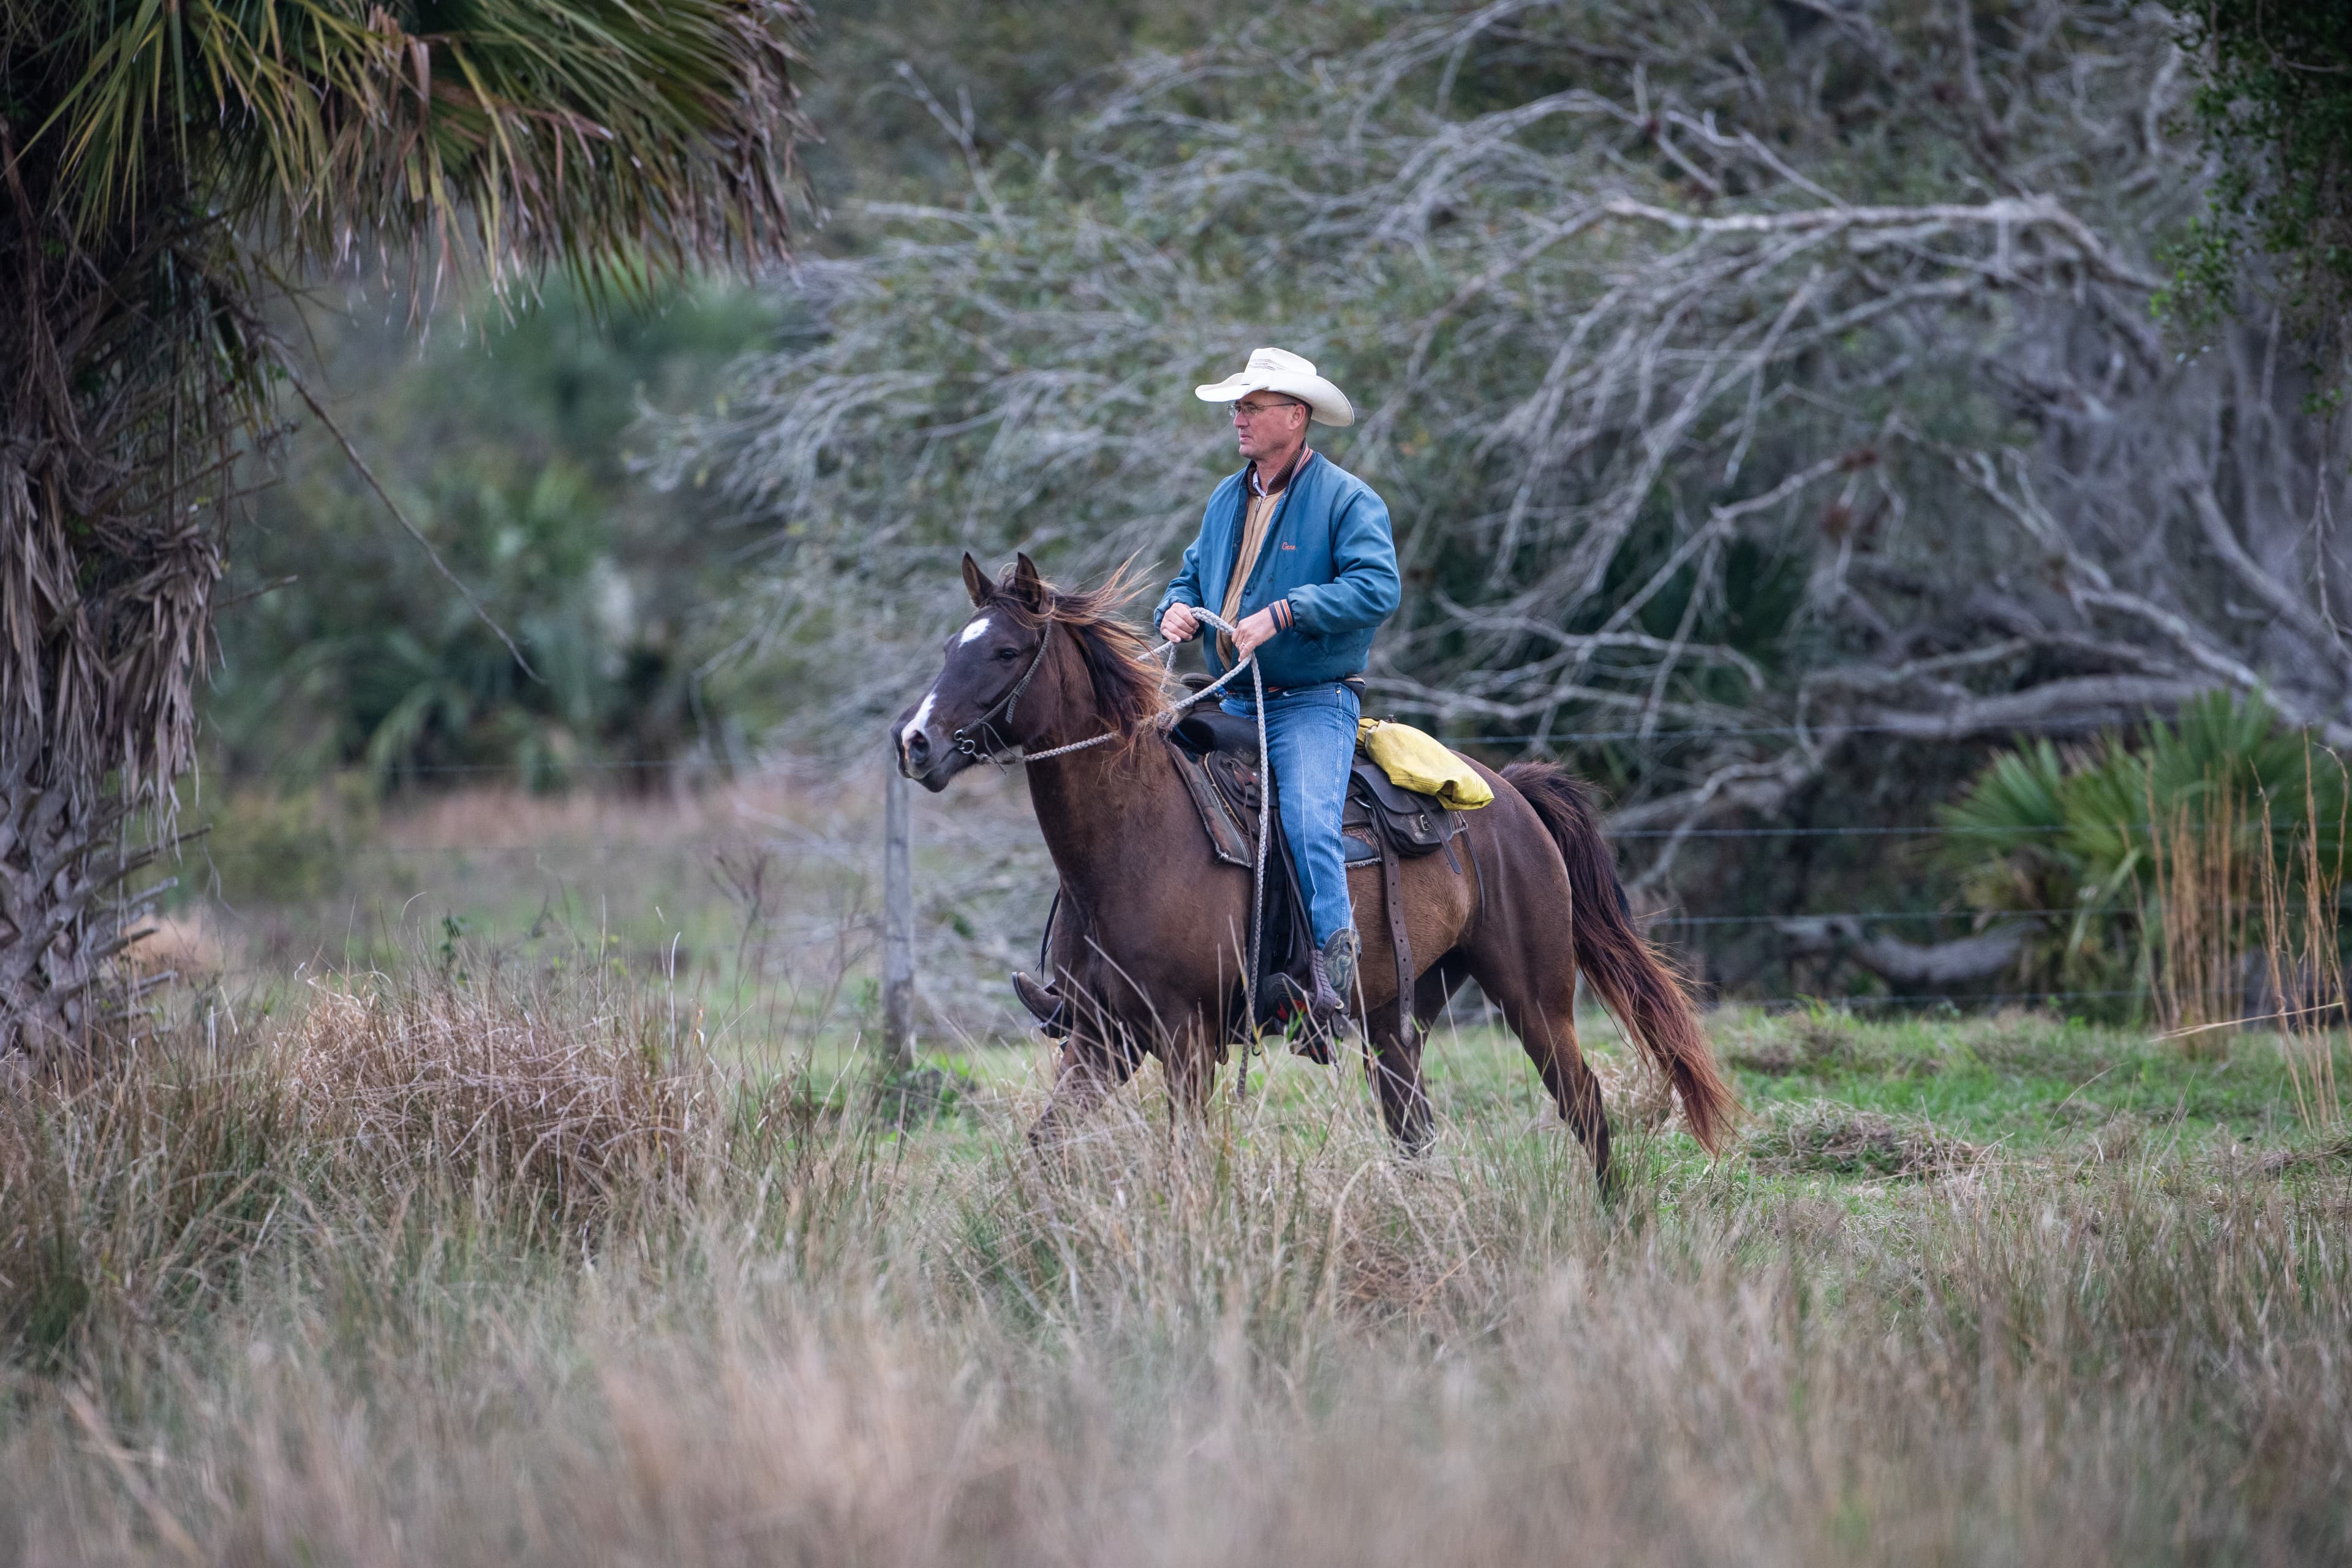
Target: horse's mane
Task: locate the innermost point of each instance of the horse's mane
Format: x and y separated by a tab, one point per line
1128	683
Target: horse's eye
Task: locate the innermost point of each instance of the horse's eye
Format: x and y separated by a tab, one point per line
1007	653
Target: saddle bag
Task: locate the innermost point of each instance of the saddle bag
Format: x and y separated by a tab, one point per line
1386	822
1412	824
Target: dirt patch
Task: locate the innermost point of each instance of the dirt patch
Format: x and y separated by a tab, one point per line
1827	1139
1819	1042
2279	1161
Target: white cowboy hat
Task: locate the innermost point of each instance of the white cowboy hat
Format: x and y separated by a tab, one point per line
1279	370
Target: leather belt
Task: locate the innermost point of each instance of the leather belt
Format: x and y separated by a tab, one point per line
1354	683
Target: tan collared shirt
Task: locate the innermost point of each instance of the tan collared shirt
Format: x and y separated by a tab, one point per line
1264	501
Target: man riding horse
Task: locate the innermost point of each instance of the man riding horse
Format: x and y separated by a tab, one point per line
1295	553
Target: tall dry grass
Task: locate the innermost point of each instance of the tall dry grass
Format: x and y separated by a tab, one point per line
2249	933
473	1277
523	1092
2206	880
2303	959
149	1190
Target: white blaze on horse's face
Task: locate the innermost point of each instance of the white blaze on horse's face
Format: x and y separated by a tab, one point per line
978	656
915	725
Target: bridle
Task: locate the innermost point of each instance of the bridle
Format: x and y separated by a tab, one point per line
968	739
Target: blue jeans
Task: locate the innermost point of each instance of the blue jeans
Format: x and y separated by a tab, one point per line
1310	740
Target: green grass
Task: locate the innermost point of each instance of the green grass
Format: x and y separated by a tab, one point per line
2030	1083
2033	1086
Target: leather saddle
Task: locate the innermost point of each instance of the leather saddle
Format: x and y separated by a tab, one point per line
1216	756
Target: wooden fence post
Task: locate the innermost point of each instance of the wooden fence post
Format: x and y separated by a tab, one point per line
898	925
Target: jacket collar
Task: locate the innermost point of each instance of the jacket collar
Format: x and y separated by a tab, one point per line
1290	470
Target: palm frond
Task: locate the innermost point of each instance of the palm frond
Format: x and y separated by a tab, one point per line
2016	804
611	140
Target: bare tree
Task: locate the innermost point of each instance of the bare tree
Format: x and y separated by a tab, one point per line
1783	368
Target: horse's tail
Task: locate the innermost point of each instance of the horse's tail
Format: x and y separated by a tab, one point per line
1647	995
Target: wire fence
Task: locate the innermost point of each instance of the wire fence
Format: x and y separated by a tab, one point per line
1955	998
1483	1012
1679	921
1930	830
1918	729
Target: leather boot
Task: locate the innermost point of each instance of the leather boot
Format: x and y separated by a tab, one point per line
1339	970
1045	1003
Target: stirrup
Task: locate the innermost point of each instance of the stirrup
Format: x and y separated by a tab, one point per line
1314	1019
1045	1003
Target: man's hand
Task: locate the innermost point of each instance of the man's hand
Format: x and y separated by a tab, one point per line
1179	624
1255	632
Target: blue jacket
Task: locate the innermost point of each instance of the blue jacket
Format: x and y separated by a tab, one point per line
1329	562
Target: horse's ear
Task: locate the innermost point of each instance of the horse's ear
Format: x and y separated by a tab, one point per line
1028	582
976	583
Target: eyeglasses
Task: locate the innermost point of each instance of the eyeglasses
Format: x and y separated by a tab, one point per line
1251	410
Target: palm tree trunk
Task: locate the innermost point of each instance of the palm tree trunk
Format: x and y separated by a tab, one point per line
126	382
61	918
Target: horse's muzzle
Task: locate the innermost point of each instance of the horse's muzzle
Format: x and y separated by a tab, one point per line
915	754
928	762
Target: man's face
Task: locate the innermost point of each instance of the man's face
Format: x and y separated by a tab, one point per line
1265	423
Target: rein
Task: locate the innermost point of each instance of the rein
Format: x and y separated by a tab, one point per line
970	745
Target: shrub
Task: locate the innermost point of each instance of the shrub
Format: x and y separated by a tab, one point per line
2142	857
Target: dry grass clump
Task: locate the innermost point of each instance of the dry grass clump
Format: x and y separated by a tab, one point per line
1824	1137
1774	1055
1173	1371
1799	1042
2119	1136
2023	1042
2334	1153
555	1093
1635	1092
148	1187
138	1193
324	1319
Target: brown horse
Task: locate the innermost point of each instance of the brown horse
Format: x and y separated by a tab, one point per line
1149	942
